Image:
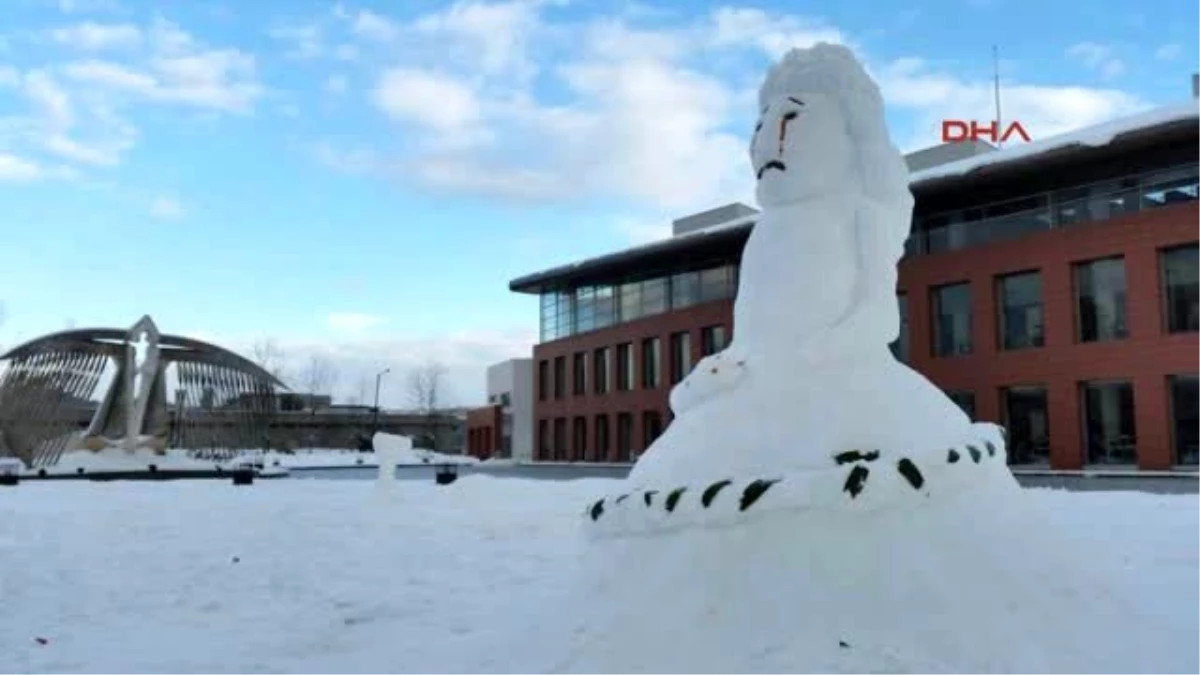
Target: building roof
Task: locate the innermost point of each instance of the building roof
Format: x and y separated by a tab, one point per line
957	174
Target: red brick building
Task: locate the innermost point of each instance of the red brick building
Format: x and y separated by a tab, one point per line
1051	288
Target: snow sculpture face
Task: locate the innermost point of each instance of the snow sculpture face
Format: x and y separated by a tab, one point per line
822	128
800	149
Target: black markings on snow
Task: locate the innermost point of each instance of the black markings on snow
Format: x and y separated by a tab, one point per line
991	449
856	456
673	498
755	490
953	456
597	510
843	644
856	480
975	453
649	496
710	493
622	498
911	473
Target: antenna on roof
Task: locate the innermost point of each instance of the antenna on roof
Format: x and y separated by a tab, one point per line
996	72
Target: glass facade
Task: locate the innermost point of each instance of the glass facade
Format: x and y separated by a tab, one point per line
951	319
588	308
1100	300
1181	288
1067	207
1109	430
1020	307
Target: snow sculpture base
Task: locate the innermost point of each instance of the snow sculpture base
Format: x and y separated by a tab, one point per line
911	580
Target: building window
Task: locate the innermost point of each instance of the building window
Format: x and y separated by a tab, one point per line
654	296
716	283
579	440
560	439
651	427
899	346
560	376
1181	288
624	437
543	379
1100	299
681	356
602	438
1027	423
651	366
579	373
951	319
600	374
1109	429
964	400
1020	310
1185	416
585	309
605	306
685	289
629	305
712	340
625	367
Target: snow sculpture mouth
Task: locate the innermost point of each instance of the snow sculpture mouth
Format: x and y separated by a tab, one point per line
860	481
773	164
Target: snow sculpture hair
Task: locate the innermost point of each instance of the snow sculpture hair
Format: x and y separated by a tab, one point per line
833	70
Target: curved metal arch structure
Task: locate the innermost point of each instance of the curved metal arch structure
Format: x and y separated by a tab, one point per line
48	395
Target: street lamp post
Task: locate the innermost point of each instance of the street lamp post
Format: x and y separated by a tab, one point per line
375	420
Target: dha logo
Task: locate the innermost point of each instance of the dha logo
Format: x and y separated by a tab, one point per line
958	131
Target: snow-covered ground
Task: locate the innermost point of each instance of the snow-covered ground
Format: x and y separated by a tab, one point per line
342	576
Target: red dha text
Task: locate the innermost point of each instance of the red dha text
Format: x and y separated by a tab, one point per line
957	131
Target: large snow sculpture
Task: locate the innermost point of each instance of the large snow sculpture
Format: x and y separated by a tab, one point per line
816	505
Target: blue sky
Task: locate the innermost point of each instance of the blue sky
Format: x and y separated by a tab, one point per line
360	180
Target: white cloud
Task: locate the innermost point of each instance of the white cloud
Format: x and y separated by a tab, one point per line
1098	57
166	208
175	68
353	322
15	169
773	34
304	41
374	26
427	98
1042	110
1168	52
649	115
97	36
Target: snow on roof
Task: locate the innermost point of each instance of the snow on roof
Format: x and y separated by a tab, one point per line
1093	136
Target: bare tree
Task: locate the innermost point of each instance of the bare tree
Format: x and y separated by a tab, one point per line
270	357
318	376
425	395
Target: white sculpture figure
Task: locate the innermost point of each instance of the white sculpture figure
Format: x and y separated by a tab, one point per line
389	448
815	505
816	305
